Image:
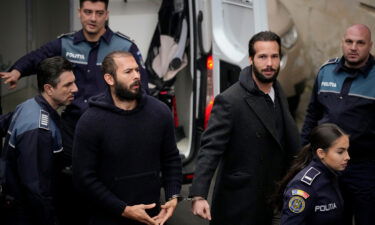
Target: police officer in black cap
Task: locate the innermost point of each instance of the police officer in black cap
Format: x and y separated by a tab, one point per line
311	193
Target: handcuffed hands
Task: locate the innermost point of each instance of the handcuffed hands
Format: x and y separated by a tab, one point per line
166	211
200	207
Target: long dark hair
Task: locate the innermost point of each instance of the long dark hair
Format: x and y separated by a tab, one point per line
322	136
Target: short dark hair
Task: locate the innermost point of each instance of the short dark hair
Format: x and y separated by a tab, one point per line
109	65
263	36
50	69
104	1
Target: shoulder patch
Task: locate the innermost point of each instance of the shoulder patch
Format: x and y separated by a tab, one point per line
331	61
44	120
300	193
310	175
66	34
296	204
124	36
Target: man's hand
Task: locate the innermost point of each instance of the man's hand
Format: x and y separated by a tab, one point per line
166	211
200	207
11	78
138	213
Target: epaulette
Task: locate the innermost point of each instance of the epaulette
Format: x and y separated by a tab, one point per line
310	175
66	34
124	36
44	120
331	61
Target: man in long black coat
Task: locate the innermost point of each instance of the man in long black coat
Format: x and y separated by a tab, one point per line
253	135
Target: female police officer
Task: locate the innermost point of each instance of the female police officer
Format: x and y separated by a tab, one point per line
312	195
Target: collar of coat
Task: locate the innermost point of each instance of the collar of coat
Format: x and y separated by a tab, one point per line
259	105
107	36
364	70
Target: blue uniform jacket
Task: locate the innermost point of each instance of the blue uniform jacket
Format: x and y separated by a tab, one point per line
313	197
31	143
345	97
87	59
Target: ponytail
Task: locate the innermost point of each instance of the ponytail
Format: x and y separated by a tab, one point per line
303	158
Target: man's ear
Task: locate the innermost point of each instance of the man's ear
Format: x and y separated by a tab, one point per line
48	89
370	45
107	15
109	79
321	153
250	60
342	42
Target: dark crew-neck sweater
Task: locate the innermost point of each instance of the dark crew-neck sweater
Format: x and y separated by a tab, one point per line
118	155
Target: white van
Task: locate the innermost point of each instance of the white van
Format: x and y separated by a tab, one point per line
214	35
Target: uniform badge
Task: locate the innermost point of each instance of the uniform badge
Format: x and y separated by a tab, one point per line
44	120
296	204
300	193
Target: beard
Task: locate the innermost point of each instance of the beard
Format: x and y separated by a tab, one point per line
263	79
355	63
124	93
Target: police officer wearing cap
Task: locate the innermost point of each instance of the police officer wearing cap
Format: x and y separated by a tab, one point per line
311	194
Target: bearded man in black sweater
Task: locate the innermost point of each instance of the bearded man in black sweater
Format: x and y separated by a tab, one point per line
125	150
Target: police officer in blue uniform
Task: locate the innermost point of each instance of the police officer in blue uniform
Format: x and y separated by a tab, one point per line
86	49
311	194
33	145
344	94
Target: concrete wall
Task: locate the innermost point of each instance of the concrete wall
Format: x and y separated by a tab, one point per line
322	24
26	25
13	39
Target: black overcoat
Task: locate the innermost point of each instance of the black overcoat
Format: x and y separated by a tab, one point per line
241	136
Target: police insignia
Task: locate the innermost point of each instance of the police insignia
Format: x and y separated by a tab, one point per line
296	204
300	193
44	120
